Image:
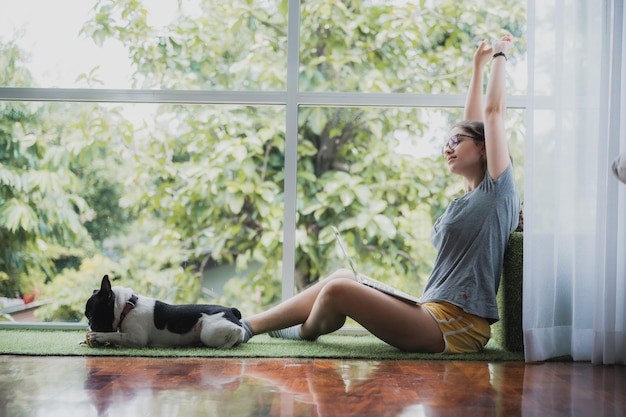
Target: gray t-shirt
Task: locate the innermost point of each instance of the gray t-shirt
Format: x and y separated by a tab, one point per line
471	237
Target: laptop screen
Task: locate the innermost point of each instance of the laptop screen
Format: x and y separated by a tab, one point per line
344	250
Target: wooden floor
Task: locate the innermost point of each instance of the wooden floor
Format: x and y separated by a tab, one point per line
91	386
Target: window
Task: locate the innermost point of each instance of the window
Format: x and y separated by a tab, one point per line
202	150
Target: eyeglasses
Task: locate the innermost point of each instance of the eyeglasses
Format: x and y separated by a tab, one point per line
454	141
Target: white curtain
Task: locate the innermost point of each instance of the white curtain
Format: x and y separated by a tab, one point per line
575	209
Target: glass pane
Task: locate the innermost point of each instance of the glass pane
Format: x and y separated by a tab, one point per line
378	175
406	46
179	202
189	44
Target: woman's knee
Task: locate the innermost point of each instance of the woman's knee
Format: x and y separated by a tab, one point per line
339	274
342	273
336	290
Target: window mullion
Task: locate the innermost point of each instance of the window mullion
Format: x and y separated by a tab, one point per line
291	150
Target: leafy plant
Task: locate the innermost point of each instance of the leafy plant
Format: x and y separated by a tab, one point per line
198	185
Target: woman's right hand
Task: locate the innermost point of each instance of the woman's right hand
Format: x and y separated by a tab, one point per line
483	54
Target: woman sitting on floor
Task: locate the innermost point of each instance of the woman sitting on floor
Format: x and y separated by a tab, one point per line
459	300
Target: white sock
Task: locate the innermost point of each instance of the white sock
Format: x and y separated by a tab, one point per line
292	333
248	333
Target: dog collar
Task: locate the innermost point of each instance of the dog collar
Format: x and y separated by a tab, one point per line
130	304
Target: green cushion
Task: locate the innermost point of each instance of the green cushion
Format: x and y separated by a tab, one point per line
508	331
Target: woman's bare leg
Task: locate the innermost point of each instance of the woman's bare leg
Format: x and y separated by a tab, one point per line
294	310
323	308
406	326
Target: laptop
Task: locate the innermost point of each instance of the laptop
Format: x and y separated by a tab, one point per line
370	282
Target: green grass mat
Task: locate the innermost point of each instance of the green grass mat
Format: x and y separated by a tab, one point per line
67	343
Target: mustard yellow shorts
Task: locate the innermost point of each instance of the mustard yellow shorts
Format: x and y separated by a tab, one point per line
462	332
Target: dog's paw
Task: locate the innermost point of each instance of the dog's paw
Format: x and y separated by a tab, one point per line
224	338
220	333
95	339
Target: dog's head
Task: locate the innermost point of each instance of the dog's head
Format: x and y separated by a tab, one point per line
99	309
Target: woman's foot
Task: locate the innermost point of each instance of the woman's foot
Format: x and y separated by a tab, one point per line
291	333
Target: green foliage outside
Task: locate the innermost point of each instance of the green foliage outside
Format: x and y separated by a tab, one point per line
85	190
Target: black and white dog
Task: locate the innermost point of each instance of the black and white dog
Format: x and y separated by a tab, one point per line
118	316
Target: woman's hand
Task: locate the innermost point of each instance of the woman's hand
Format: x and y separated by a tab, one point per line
473	102
503	45
485	52
482	55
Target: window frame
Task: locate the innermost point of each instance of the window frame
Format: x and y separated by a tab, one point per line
292	99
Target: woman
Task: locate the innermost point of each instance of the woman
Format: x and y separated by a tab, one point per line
459	300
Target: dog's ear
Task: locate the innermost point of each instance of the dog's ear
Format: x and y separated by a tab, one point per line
105	286
236	312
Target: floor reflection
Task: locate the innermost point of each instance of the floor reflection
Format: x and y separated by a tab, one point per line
92	386
166	388
389	388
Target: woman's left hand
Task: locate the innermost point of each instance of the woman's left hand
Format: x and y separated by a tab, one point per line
503	45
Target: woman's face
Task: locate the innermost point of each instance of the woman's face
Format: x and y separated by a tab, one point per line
463	154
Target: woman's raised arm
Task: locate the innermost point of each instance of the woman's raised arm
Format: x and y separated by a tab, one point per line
474	99
498	158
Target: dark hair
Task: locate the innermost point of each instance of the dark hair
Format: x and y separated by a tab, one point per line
475	128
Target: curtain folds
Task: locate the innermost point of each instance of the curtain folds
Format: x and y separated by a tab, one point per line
575	209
